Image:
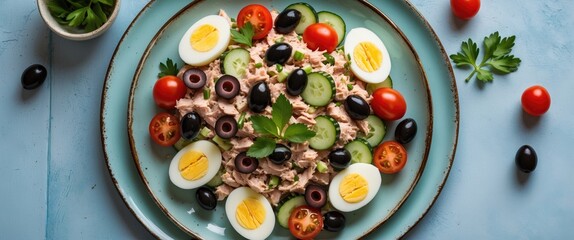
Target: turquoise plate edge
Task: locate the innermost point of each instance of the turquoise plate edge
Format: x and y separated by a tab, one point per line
128	183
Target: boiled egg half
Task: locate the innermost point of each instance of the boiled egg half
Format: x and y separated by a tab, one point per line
195	164
205	40
250	213
369	57
354	187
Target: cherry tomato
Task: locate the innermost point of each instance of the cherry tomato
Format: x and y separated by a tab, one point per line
164	129
167	90
305	222
390	157
465	9
259	17
388	104
320	36
535	100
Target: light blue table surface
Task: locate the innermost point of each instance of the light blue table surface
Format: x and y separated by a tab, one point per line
50	136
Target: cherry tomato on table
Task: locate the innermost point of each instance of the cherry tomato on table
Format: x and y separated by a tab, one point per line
167	90
390	157
465	9
535	100
164	129
388	104
259	17
305	222
320	36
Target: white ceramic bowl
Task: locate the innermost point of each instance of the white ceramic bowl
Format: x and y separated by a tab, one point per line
71	33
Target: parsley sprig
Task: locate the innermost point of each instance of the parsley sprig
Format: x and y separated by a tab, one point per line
496	57
86	14
244	35
168	68
277	127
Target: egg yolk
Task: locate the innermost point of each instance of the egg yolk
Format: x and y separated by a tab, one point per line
353	188
250	213
367	56
204	38
193	165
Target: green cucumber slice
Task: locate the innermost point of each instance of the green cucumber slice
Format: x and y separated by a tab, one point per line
371	87
320	89
360	151
327	130
235	63
287	207
308	16
334	21
377	130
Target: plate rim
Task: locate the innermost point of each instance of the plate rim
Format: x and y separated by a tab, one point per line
376	11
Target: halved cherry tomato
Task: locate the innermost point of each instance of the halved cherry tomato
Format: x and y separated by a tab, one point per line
320	36
390	157
259	17
465	9
388	104
167	90
305	222
164	129
535	100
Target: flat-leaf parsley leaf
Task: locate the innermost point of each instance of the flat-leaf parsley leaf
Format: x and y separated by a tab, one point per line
244	35
167	69
496	57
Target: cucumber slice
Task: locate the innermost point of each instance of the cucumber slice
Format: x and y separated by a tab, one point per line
360	151
287	207
371	87
181	143
327	130
334	21
320	89
235	63
377	130
308	16
216	180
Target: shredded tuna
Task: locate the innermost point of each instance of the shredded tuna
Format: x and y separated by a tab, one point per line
274	196
257	182
222	191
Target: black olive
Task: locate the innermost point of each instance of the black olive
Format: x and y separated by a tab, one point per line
280	154
406	131
333	221
245	164
259	97
206	198
526	159
278	53
340	158
227	87
287	21
296	82
33	76
357	107
194	78
315	196
226	127
190	125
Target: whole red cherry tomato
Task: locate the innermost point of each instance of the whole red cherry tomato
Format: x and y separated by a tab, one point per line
167	90
465	9
535	100
320	36
388	104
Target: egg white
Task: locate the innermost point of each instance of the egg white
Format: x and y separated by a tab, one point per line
358	35
233	201
367	171
196	58
213	155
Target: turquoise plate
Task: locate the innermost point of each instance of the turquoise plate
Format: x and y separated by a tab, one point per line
125	173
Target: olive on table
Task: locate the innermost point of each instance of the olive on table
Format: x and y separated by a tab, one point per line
287	21
340	158
194	78
280	154
227	87
190	125
526	159
406	131
357	107
206	198
226	127
33	76
259	97
296	82
315	196
278	53
245	164
333	221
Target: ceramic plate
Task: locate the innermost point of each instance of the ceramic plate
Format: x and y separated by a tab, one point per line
131	47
